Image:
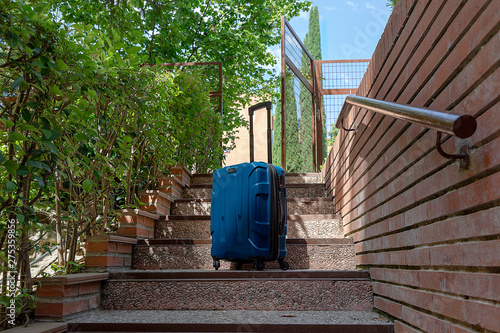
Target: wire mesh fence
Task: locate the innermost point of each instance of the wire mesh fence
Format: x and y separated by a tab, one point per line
338	79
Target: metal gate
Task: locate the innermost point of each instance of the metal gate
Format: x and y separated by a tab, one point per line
301	117
309	88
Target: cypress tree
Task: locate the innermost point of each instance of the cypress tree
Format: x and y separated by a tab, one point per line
293	150
277	136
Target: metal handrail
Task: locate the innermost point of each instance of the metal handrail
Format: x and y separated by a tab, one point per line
462	126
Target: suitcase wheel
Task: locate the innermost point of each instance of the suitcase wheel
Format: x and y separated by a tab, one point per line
216	264
259	265
283	264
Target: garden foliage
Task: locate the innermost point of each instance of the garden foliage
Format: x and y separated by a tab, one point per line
89	117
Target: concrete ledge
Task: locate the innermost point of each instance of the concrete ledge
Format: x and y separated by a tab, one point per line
158	193
111	238
74	278
41	328
139	212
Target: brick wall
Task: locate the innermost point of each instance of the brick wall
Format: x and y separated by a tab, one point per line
428	231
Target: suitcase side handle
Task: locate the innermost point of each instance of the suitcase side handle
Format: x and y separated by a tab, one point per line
283	209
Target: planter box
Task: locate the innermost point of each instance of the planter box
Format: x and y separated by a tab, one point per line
109	251
64	295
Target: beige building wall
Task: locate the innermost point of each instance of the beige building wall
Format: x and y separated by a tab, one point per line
241	153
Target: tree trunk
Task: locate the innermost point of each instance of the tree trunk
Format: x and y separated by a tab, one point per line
60	239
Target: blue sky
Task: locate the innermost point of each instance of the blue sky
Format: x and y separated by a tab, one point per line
350	29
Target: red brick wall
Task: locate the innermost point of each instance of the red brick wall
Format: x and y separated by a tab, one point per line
428	231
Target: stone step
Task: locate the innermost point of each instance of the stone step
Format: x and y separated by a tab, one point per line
183	227
230	321
300	178
203	191
306	190
316	254
239	290
290	178
201	178
296	206
299	226
197	191
315	226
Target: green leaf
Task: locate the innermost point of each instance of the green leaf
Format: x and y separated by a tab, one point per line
14	136
47	133
12	39
45	122
127	139
50	135
87	185
2	158
38	75
52	147
21	218
55	90
10	186
11	167
26	127
38	63
61	65
39	180
26	114
22	171
68	150
97	174
40	7
81	137
8	123
17	82
35	164
135	49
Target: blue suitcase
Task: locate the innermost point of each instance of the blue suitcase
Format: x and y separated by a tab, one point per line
248	216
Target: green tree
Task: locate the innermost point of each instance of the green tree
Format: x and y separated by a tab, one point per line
277	136
391	3
237	33
334	132
294	161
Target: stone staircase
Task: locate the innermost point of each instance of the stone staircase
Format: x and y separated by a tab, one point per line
173	271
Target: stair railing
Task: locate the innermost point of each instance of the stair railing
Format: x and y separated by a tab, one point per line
462	126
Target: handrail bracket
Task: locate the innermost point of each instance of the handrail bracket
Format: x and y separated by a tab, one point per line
347	129
463	157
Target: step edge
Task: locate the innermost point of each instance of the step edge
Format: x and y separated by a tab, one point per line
235	275
207	241
318	199
229	327
291	217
